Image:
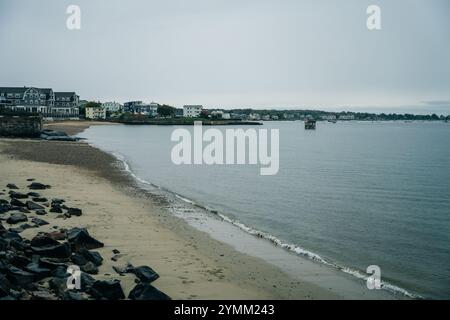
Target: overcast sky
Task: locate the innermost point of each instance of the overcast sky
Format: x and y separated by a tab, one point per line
233	53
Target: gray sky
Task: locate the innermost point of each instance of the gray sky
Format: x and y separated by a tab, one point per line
233	53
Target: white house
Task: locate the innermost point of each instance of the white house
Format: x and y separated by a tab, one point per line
347	117
95	113
112	106
192	111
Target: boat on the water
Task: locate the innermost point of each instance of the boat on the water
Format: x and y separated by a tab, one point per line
310	124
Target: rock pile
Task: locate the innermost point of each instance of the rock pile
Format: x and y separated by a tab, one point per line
57	136
38	269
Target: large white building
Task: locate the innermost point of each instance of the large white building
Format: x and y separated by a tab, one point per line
192	111
112	106
44	101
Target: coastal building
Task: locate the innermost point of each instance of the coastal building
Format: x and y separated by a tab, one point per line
95	113
139	107
112	106
179	113
254	116
347	117
329	117
192	111
44	101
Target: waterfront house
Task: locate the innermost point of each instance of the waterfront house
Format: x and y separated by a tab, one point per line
44	101
95	113
192	111
347	117
139	107
112	106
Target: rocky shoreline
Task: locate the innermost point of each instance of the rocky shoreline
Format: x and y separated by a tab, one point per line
49	265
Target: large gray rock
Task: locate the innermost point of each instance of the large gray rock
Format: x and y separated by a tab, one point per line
145	291
60	251
109	290
80	239
16	218
34	206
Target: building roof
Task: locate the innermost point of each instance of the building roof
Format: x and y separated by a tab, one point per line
13	89
64	94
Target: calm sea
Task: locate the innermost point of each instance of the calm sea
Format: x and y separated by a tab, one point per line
355	193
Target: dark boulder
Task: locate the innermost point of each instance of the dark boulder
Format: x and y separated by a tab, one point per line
53	264
39	222
39	272
20	277
16	218
58	201
145	274
19	261
80	238
110	290
11	236
73	295
17	230
60	251
115	251
43	239
41	212
38	186
58	286
56	209
5	286
34	206
12	186
26	226
21	209
60	272
16	244
4	208
74	212
145	291
78	259
92	256
38	199
90	268
17	195
17	203
33	194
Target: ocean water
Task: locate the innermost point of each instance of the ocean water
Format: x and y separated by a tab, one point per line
350	194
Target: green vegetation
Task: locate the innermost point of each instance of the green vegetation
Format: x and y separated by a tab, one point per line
166	111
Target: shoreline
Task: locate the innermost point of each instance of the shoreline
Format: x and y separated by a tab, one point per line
220	271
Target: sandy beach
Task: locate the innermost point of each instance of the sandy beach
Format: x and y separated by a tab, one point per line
115	211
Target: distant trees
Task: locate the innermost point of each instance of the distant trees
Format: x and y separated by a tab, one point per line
90	104
166	111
